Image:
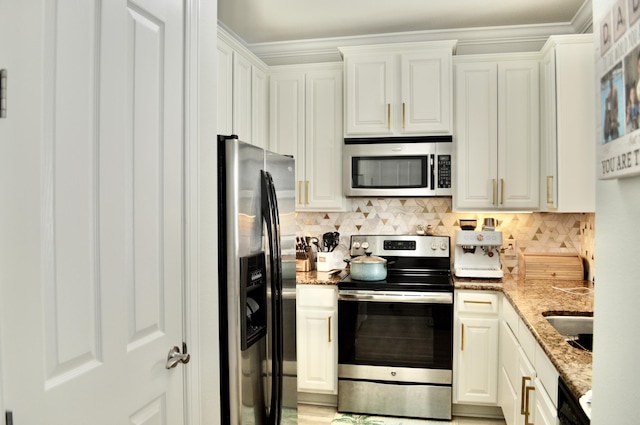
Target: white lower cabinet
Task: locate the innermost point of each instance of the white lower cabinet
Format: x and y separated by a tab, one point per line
528	381
317	338
476	347
545	409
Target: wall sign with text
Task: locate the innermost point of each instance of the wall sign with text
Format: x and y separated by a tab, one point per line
618	67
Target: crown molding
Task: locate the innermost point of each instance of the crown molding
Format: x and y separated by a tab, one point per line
506	39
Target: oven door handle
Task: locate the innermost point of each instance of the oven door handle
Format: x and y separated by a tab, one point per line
395	296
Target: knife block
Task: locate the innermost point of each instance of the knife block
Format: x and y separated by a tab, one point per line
306	261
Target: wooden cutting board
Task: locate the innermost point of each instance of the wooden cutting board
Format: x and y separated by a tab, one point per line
552	266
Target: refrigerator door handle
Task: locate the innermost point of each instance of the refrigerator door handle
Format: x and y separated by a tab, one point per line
272	223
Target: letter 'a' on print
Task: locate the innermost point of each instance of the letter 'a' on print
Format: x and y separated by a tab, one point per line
620	19
606	34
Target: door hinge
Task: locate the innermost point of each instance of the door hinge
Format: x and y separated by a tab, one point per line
8	417
3	93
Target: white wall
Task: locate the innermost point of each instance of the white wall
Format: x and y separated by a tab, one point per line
203	209
616	365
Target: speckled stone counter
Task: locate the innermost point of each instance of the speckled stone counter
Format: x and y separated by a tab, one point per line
531	299
319	278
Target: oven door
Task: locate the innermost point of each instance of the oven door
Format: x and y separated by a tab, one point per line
411	330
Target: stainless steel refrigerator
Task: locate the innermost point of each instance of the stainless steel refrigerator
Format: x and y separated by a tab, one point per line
256	231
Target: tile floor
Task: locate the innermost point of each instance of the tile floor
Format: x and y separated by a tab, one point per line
322	415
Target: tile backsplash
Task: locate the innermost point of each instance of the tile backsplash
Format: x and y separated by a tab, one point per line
533	232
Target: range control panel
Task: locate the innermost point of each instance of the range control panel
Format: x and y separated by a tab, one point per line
400	245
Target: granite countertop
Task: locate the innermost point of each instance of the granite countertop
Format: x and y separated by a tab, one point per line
530	299
319	278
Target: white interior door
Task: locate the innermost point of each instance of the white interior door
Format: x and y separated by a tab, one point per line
91	252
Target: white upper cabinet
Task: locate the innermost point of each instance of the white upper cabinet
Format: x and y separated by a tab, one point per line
305	110
259	107
567	139
396	90
496	137
225	88
242	111
242	92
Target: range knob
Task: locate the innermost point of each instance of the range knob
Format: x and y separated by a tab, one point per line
356	245
480	237
443	246
364	245
434	246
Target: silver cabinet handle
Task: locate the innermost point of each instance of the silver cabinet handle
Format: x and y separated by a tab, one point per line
175	356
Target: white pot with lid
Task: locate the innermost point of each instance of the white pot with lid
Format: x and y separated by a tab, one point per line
368	267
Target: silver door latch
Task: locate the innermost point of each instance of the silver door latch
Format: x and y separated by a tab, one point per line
175	356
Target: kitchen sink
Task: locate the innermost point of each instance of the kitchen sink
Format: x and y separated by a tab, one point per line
576	330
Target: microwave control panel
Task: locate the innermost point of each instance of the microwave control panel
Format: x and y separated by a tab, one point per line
444	171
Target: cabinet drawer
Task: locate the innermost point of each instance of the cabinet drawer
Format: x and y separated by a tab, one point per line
527	341
510	316
477	302
317	296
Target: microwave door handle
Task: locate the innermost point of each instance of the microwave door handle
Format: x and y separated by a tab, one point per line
432	170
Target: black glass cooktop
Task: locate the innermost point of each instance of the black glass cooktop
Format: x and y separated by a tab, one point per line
433	281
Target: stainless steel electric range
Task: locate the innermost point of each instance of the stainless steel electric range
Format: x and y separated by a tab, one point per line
395	336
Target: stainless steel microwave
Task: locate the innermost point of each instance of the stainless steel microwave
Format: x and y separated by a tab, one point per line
392	166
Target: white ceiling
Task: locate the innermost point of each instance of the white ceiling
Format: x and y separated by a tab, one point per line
267	25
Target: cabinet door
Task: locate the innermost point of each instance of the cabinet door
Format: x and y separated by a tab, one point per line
426	92
548	133
323	141
526	390
518	134
286	119
574	141
545	411
225	89
369	94
317	339
477	372
476	136
509	370
242	98
259	108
